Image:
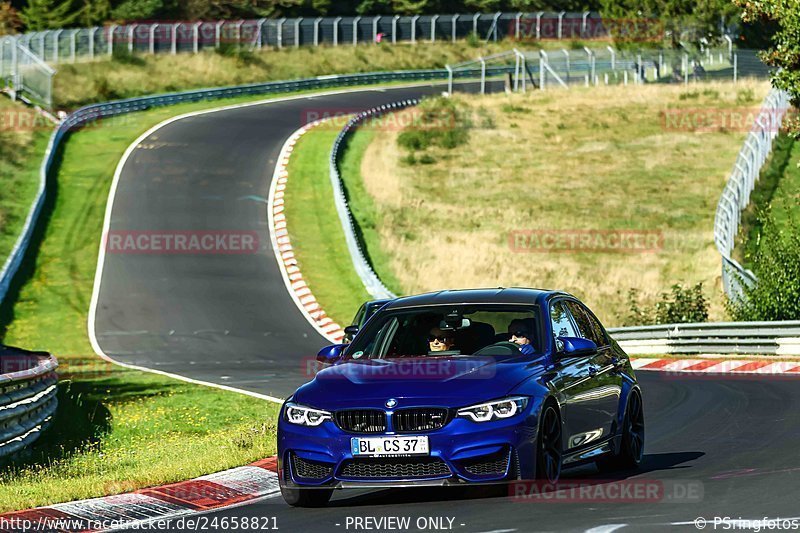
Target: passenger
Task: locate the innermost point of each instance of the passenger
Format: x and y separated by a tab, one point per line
441	341
520	332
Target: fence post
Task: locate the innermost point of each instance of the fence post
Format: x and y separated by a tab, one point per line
153	38
433	27
414	29
218	33
542	66
91	42
14	70
449	79
584	23
56	38
297	22
131	29
639	69
613	58
355	30
394	28
73	45
566	55
483	75
735	67
173	46
280	32
539	25
196	36
336	31
560	23
316	30
110	44
475	18
375	29
517	19
453	21
495	21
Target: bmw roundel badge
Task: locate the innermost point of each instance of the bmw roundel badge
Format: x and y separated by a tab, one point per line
391	402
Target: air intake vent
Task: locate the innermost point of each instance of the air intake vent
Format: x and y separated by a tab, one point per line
394	468
303	468
362	420
419	419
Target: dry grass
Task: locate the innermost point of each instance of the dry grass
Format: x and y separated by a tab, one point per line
586	159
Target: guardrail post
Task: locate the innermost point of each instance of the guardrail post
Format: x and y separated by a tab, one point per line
414	29
453	22
394	28
336	31
449	79
355	30
316	30
433	27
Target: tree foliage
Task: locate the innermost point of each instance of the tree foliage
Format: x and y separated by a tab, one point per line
776	264
46	14
784	54
10	21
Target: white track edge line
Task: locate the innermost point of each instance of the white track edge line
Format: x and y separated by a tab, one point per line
101	255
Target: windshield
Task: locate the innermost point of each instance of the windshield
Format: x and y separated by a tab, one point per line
450	330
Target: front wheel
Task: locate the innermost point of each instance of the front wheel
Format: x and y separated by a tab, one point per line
631	450
548	446
306	497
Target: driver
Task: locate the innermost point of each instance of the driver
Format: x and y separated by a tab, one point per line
520	332
440	341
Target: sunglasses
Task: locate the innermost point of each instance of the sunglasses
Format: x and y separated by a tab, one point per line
440	338
520	333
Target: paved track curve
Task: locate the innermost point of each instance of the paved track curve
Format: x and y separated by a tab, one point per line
228	319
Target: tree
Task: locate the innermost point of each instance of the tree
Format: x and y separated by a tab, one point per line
41	15
784	55
10	21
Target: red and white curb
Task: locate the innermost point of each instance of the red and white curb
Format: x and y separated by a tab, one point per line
169	502
717	366
284	253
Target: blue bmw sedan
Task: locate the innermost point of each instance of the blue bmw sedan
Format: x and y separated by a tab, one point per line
462	387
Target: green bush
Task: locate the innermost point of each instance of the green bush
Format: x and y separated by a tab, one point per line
440	122
683	304
776	264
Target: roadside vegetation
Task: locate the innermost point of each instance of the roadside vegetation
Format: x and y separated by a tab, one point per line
116	429
23	141
126	75
450	213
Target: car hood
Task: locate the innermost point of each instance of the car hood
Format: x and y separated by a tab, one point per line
451	381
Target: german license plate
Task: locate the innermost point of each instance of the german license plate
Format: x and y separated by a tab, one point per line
387	446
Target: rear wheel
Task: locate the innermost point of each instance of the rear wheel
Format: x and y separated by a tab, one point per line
548	448
631	450
306	497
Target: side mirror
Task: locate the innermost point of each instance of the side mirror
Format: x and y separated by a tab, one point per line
331	354
576	346
350	332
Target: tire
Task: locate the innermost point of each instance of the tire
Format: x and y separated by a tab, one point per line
549	453
306	497
631	450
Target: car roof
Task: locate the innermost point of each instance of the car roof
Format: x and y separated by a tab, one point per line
499	295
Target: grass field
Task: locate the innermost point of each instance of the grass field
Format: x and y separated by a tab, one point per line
23	141
117	430
127	76
588	159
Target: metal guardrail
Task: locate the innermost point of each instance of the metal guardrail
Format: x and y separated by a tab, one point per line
768	338
736	195
28	387
91	113
369	278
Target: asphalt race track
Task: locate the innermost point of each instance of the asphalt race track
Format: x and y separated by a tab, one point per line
716	445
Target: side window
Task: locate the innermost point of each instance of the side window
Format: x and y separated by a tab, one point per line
560	320
360	316
589	327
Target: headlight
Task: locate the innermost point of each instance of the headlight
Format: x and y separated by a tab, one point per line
305	416
498	409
